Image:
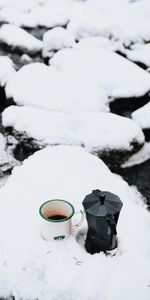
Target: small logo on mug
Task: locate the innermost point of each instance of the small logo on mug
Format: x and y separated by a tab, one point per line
59	237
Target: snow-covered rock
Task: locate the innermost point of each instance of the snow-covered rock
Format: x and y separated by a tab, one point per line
139	157
124	20
7	161
86	24
100	41
35	269
25	58
133	22
119	77
2	142
6	70
142	116
56	39
140	53
46	13
95	131
42	86
19	39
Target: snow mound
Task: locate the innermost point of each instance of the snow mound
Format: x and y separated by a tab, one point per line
19	38
119	77
42	86
6	69
32	268
140	53
125	20
95	131
39	13
100	41
133	22
56	39
86	24
142	116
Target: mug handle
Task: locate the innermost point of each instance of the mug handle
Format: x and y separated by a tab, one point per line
77	225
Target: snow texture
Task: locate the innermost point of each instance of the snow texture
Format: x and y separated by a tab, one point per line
56	39
140	53
125	20
100	41
95	131
139	157
7	162
6	70
142	116
42	86
35	13
16	37
86	24
119	77
32	268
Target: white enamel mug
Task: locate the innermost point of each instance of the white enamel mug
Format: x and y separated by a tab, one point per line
56	216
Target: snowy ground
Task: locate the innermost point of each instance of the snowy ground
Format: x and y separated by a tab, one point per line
61	66
33	268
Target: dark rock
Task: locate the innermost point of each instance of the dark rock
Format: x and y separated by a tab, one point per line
36	32
125	106
121	53
3	99
5	102
16	57
139	175
24	146
19	50
8	298
147	134
115	158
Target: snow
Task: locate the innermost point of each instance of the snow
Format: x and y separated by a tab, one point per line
133	22
67	103
95	131
2	142
100	41
42	86
119	77
16	37
86	24
25	58
56	39
47	14
140	53
142	116
32	268
6	69
139	157
7	161
127	21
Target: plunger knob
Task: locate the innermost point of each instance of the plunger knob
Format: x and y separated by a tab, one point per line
102	198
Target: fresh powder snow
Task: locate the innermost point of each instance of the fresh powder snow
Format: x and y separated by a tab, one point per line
46	87
140	53
32	268
6	70
67	103
95	131
56	39
142	116
116	75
